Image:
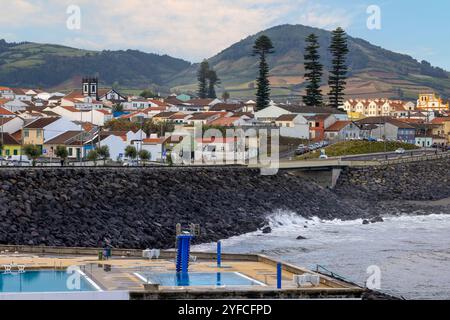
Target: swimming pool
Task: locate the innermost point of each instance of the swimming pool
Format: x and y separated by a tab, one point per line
199	279
45	281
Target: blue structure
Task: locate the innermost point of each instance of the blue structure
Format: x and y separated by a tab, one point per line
279	270
183	279
183	252
219	254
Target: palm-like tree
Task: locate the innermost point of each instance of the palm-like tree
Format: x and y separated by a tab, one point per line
103	153
144	155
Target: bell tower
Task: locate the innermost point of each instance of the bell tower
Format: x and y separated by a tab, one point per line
90	87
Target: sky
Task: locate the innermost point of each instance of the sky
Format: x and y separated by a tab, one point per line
197	29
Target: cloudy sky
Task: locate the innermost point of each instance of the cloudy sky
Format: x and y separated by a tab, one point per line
197	29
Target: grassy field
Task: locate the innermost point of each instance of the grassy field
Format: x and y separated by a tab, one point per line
348	148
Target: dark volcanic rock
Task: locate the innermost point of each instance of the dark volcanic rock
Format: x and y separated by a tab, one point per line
376	220
139	207
267	230
301	238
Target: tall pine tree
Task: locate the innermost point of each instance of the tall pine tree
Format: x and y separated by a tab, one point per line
338	72
213	81
263	47
202	77
313	72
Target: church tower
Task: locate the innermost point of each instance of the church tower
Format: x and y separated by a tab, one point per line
90	87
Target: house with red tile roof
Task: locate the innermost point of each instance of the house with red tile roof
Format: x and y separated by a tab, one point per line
343	130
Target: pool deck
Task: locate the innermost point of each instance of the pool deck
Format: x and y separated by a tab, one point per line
121	273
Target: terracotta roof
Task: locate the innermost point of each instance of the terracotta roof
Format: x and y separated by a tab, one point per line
5	112
18	91
154	140
64	137
165	114
180	116
440	120
103	111
200	102
338	126
8	139
3	101
120	134
241	114
71	109
41	123
157	102
224	121
318	117
286	117
205	115
6	120
226	107
174	101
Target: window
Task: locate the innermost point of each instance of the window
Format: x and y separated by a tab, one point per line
38	133
16	152
93	88
26	133
70	152
7	152
86	88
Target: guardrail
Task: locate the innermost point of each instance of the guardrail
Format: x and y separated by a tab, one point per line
426	157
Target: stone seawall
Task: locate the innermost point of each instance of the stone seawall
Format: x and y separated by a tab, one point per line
139	207
425	180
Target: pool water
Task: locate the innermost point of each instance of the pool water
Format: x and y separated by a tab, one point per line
42	281
199	279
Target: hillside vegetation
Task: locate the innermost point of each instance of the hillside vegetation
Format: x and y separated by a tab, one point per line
373	71
42	65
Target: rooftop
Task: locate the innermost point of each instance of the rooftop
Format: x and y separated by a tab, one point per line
338	126
64	137
41	123
8	139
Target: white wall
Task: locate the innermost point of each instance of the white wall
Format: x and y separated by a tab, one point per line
300	131
116	146
58	127
13	126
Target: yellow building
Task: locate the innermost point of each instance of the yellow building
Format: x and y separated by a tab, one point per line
10	146
33	133
431	102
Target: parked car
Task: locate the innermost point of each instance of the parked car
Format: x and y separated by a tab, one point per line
301	151
130	163
16	160
400	151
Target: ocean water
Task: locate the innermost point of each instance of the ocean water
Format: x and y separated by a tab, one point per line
412	252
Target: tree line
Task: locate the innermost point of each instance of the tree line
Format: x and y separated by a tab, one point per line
313	70
263	47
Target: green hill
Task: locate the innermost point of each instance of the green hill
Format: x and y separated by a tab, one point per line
374	71
44	65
